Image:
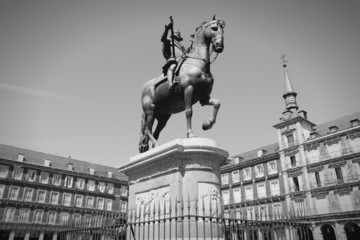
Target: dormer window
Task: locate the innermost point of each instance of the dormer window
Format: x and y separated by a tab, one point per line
46	163
261	153
20	158
70	166
313	135
109	174
355	122
91	171
333	129
237	160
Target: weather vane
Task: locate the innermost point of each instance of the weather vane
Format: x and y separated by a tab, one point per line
283	60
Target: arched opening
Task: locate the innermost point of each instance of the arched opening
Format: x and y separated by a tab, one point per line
304	233
352	231
328	232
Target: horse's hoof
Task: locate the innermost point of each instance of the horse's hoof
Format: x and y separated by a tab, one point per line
206	125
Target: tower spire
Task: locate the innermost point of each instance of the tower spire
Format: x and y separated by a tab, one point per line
289	93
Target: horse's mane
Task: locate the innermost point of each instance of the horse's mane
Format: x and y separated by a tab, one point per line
220	21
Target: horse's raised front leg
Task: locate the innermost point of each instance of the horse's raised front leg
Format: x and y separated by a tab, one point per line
188	94
216	103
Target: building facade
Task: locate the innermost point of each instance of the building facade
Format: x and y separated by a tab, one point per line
40	193
311	173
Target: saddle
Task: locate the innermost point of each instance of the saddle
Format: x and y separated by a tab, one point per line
166	66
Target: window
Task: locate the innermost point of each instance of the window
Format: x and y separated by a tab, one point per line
67	199
124	191
24	215
91	185
52	218
90	202
108	206
101	187
80	183
274	188
87	220
110	188
41	196
64	218
226	197
247	173
296	184
56	179
28	194
249	194
277	211
31	175
237	195
272	167
293	161
68	182
261	191
100	203
18	172
10	214
263	212
225	179
77	219
4	170
259	170
236	176
339	175
290	139
14	192
318	181
250	213
38	214
44	177
54	199
2	189
78	200
123	206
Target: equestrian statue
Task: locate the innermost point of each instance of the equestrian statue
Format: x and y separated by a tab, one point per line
190	72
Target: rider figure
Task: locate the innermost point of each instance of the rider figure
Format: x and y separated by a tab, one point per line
171	63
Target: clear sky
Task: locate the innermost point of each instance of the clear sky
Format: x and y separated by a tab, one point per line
71	72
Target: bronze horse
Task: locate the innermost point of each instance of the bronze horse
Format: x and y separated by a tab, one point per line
196	82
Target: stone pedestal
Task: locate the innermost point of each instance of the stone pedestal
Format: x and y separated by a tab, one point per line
178	178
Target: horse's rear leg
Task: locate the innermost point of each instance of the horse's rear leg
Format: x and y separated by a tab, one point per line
216	103
161	122
149	112
188	94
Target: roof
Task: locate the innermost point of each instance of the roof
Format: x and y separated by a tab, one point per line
246	156
58	162
342	123
322	129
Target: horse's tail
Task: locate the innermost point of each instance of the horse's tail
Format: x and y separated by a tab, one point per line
144	138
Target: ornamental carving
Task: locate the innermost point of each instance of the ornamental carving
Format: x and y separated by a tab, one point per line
343	191
294	172
287	131
337	163
353	136
311	147
356	160
146	201
319	194
291	152
332	141
317	168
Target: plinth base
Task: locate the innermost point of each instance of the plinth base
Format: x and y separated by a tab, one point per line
178	179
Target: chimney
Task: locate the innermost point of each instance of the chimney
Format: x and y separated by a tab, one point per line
46	163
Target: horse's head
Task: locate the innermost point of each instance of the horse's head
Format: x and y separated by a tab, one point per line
214	33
